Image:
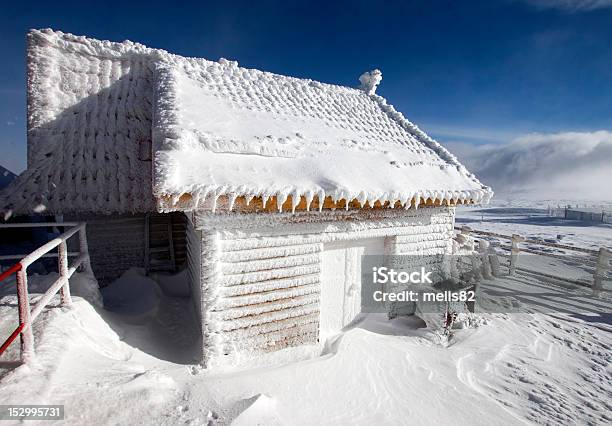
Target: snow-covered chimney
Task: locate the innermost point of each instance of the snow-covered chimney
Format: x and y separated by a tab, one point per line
370	80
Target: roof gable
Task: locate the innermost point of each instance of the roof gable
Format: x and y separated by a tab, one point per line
90	105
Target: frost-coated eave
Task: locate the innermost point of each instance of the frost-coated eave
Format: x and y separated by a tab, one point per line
242	198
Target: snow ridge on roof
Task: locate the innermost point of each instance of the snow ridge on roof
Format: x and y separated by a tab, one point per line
217	129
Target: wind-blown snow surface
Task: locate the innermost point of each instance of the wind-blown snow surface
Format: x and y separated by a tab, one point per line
110	368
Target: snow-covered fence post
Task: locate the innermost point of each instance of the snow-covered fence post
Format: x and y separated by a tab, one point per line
84	249
27	337
495	265
476	260
603	264
484	251
62	268
514	251
459	244
476	269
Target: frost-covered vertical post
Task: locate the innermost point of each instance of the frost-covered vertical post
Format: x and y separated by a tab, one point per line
603	264
494	263
476	270
514	252
84	249
483	250
463	245
62	267
27	337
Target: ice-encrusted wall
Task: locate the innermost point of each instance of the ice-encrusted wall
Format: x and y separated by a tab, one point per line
260	274
116	243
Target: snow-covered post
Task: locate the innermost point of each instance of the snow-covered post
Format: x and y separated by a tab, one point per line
459	243
475	260
514	251
483	250
84	249
476	270
62	268
603	264
495	266
27	337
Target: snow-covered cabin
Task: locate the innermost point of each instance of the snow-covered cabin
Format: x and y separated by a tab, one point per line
279	184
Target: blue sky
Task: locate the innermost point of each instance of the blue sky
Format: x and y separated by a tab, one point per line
465	71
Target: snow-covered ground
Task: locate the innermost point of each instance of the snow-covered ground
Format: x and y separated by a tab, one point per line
135	363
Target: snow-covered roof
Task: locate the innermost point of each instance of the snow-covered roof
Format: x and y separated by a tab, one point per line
218	130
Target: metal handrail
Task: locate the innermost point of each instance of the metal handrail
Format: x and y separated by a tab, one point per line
4	275
27	314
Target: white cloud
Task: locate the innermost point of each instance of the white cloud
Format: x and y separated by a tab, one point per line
571	5
572	165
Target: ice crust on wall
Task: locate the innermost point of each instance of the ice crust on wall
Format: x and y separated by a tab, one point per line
261	274
216	129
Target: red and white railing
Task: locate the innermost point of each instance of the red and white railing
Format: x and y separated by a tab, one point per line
27	313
